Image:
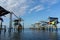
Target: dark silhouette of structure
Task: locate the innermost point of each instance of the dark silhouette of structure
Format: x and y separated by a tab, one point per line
3	11
1	20
18	24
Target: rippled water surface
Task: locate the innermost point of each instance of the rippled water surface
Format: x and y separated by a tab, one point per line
28	34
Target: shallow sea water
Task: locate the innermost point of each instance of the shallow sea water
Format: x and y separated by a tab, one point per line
28	34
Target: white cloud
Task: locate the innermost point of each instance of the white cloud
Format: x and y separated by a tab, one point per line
16	6
2	1
19	7
44	4
37	8
15	3
49	2
23	9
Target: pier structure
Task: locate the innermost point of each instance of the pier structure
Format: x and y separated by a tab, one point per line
43	25
17	24
36	25
53	21
39	25
47	25
32	26
4	12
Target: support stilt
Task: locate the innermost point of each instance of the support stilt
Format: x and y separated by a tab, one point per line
10	21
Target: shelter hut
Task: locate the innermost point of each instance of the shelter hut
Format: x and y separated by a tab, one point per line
53	21
3	12
17	23
32	26
43	25
37	25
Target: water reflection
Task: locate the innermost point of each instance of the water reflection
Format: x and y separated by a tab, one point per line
53	36
0	32
28	34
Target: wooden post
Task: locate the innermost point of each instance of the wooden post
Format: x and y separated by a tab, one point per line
23	24
10	25
1	23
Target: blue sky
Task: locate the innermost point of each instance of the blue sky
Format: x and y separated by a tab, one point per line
32	10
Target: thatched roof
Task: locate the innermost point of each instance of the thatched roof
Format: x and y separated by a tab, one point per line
53	18
20	19
3	11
